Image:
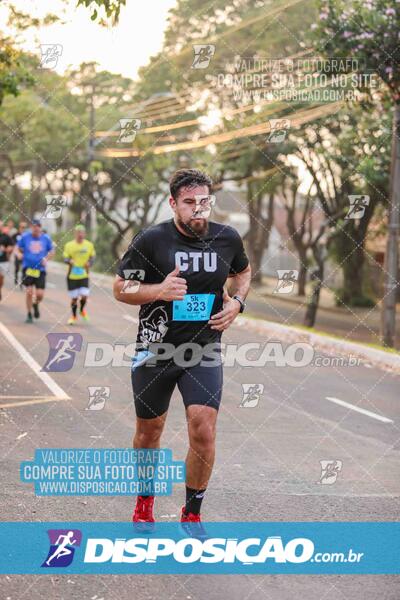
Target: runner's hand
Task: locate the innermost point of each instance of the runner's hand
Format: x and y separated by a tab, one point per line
173	287
227	315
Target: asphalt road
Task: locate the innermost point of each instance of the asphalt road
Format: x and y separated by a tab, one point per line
268	457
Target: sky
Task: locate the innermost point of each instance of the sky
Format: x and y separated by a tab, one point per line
121	49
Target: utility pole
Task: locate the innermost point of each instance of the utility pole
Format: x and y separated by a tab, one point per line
90	153
392	247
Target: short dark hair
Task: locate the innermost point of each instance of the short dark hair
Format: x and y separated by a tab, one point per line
186	178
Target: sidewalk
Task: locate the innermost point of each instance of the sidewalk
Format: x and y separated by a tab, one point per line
349	323
327	299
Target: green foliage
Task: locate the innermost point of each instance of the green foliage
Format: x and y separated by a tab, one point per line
109	10
366	30
105	262
14	71
363	301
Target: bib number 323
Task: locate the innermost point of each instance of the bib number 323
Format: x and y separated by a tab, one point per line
194	307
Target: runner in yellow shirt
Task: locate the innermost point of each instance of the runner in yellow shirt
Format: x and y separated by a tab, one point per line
79	254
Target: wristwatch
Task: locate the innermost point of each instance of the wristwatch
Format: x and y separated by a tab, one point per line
242	304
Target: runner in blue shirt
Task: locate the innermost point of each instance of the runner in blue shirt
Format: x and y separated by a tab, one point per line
35	248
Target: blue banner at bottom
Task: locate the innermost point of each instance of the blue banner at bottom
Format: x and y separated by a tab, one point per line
213	548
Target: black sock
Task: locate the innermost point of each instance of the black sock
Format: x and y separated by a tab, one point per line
83	302
194	498
74	307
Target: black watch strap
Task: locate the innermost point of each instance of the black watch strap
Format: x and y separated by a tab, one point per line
242	304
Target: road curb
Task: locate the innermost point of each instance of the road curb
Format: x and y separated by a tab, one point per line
372	356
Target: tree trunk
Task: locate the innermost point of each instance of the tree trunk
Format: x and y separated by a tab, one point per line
317	278
301	283
257	236
391	258
353	277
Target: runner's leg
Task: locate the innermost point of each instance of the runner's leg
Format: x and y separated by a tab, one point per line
82	303
148	432
152	390
29	299
201	389
74	306
201	423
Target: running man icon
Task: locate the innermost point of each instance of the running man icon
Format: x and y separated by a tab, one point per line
63	348
62	547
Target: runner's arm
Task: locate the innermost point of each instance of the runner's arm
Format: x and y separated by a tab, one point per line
239	284
9	249
49	255
146	292
171	288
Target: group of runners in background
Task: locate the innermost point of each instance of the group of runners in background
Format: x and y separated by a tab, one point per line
30	248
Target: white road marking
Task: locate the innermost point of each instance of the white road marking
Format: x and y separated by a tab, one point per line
132	319
31	362
32	400
360	410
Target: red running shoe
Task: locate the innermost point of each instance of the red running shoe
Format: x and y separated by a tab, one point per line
192	526
142	517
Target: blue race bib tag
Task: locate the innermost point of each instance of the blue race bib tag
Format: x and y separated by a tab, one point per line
78	271
140	358
194	307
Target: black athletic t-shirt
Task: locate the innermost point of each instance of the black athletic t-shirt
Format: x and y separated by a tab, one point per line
5	241
205	264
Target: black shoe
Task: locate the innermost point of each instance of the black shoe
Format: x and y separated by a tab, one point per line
29	318
36	312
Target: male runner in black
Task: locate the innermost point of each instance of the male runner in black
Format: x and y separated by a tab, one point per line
176	272
6	247
17	260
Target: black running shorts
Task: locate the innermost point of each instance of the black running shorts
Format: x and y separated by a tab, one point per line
153	386
38	282
76	284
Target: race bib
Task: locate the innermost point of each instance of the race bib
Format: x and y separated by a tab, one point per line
78	271
33	273
194	307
